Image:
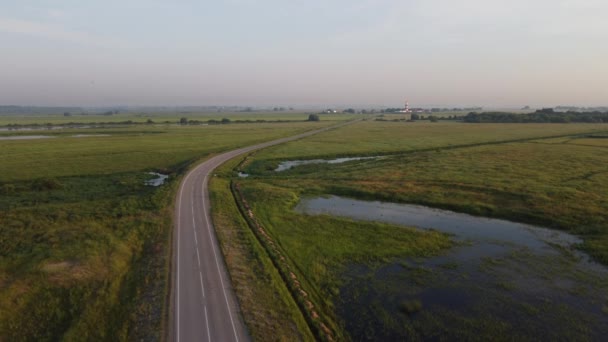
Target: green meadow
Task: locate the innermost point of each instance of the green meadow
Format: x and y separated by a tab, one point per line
85	244
161	117
552	175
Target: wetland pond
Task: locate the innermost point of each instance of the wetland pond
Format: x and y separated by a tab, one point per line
158	180
286	165
500	279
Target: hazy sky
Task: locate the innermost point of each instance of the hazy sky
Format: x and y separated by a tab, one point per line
304	52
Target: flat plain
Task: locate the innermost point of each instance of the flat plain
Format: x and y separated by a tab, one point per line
84	244
550	175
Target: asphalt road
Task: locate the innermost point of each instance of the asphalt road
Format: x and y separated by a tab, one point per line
204	307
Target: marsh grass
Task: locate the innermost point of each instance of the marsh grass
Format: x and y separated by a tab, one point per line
319	247
550	175
161	118
84	244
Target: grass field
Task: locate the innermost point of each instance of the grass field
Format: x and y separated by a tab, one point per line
129	149
546	174
162	118
267	306
84	243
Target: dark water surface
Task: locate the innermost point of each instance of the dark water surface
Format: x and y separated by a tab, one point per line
502	277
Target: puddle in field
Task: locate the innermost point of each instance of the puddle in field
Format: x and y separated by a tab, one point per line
8	129
89	135
286	165
516	279
158	181
49	128
26	137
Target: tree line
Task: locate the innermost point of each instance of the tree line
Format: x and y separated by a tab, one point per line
546	115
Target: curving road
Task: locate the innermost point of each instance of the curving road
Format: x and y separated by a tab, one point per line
203	304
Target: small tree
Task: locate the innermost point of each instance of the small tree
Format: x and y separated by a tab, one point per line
225	121
313	117
183	121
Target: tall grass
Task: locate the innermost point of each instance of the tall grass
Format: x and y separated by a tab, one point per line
84	244
518	172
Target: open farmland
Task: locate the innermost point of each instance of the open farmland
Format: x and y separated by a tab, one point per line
544	174
158	118
84	242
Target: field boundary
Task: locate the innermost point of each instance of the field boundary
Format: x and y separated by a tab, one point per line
441	148
290	279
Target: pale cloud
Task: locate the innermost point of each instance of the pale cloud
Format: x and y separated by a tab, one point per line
56	13
53	32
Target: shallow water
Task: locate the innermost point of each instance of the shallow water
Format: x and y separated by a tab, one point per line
89	135
26	137
500	275
158	181
286	165
462	226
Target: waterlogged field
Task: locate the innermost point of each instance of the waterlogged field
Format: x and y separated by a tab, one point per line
129	149
84	242
396	278
161	118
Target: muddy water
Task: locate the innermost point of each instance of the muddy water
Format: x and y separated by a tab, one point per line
286	165
501	277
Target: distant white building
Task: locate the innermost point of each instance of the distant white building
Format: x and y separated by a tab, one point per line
407	108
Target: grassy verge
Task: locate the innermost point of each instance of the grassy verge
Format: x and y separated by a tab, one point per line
267	306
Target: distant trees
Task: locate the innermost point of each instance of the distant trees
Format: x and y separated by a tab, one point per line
540	116
415	117
67	114
392	110
313	117
183	121
225	120
349	110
